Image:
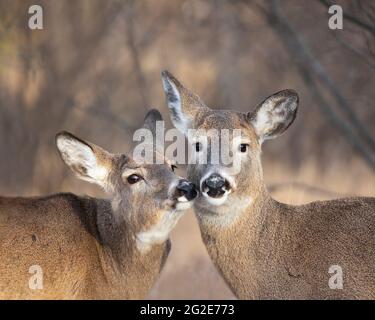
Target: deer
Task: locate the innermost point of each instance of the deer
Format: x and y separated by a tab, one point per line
262	248
93	248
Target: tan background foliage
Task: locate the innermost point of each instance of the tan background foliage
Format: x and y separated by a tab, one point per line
95	68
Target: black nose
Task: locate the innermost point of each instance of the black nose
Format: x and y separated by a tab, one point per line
215	185
187	189
215	181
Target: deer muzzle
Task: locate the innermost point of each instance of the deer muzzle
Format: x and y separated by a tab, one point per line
215	186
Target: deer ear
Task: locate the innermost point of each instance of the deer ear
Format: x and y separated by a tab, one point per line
183	104
151	119
88	161
274	115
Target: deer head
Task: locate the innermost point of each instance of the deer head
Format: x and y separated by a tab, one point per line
149	197
219	184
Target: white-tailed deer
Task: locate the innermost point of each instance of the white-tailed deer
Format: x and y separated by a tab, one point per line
265	249
88	248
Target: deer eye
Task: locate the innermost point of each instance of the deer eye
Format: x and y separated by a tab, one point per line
243	147
198	147
133	178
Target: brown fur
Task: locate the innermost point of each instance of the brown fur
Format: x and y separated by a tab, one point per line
276	251
79	258
92	248
269	250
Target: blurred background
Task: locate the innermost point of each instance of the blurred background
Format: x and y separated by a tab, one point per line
95	68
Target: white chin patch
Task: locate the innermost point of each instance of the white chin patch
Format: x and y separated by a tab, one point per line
182	199
183	203
158	233
216	201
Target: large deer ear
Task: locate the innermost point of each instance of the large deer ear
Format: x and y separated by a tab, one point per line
183	104
153	122
151	119
274	115
88	161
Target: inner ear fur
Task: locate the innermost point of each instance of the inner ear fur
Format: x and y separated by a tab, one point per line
275	114
183	104
88	161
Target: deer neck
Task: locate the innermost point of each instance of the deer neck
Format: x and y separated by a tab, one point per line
237	240
243	207
122	262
